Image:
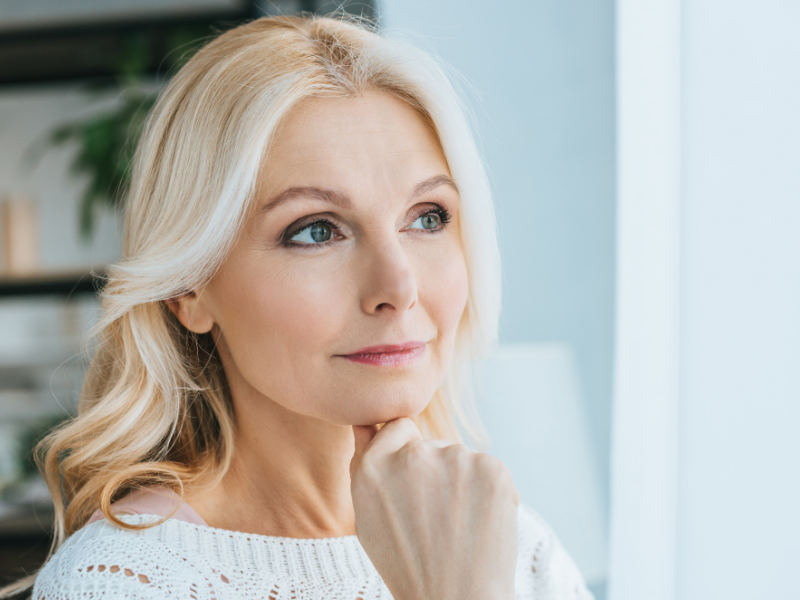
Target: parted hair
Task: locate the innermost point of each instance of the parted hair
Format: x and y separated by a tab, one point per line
155	406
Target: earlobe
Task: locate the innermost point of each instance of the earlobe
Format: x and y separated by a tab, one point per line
191	313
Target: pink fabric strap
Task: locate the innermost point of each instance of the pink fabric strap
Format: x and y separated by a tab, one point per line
153	500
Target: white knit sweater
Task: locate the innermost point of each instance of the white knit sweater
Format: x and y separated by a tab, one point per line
181	560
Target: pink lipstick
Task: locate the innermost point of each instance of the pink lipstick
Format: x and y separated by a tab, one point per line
390	355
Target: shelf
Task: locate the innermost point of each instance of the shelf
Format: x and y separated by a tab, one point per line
56	283
71	51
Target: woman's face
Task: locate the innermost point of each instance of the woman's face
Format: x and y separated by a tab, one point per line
342	297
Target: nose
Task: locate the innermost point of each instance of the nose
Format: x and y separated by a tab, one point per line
390	283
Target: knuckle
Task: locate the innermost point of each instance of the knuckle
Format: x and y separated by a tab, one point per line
507	479
414	450
459	454
503	485
494	473
487	464
460	449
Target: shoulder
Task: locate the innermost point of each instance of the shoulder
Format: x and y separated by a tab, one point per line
102	560
153	500
544	569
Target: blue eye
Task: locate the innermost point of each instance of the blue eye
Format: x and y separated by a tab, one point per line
428	221
315	233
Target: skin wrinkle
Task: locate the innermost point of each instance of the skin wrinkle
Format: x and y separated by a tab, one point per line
342	201
282	316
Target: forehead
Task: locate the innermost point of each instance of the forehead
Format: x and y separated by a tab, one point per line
368	140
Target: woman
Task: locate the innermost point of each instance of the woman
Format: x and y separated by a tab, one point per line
309	253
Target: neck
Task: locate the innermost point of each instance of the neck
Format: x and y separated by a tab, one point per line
290	474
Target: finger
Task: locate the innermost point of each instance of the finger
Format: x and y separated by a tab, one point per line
363	436
516	497
394	435
439	443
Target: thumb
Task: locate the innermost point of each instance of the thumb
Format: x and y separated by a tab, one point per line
363	436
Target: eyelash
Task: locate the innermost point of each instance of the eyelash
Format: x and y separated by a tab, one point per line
288	234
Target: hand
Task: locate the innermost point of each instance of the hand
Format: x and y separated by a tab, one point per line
437	520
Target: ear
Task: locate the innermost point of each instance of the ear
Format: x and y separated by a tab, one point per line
191	312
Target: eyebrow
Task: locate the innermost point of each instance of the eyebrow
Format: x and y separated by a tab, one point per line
342	201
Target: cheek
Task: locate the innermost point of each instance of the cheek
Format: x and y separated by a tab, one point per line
444	290
286	320
304	308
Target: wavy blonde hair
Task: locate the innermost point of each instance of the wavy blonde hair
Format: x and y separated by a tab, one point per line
155	407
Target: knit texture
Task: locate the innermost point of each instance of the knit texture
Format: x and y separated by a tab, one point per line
181	560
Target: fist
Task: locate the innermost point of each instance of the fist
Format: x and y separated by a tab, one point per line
437	519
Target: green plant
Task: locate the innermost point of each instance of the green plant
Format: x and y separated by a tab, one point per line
106	141
105	149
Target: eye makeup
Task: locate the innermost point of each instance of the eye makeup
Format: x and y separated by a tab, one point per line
299	226
295	228
440	211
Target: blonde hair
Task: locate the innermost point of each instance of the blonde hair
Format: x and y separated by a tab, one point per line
155	407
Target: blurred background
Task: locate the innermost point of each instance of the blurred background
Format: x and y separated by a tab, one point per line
644	160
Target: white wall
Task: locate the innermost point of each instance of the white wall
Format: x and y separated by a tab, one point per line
706	486
646	395
739	486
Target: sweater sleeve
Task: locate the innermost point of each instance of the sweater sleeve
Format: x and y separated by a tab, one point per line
545	571
117	564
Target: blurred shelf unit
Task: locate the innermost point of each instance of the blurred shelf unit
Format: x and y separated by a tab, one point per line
55	283
56	41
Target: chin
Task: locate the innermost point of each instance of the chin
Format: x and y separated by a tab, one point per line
379	407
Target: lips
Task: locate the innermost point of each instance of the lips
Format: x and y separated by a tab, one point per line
388	355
